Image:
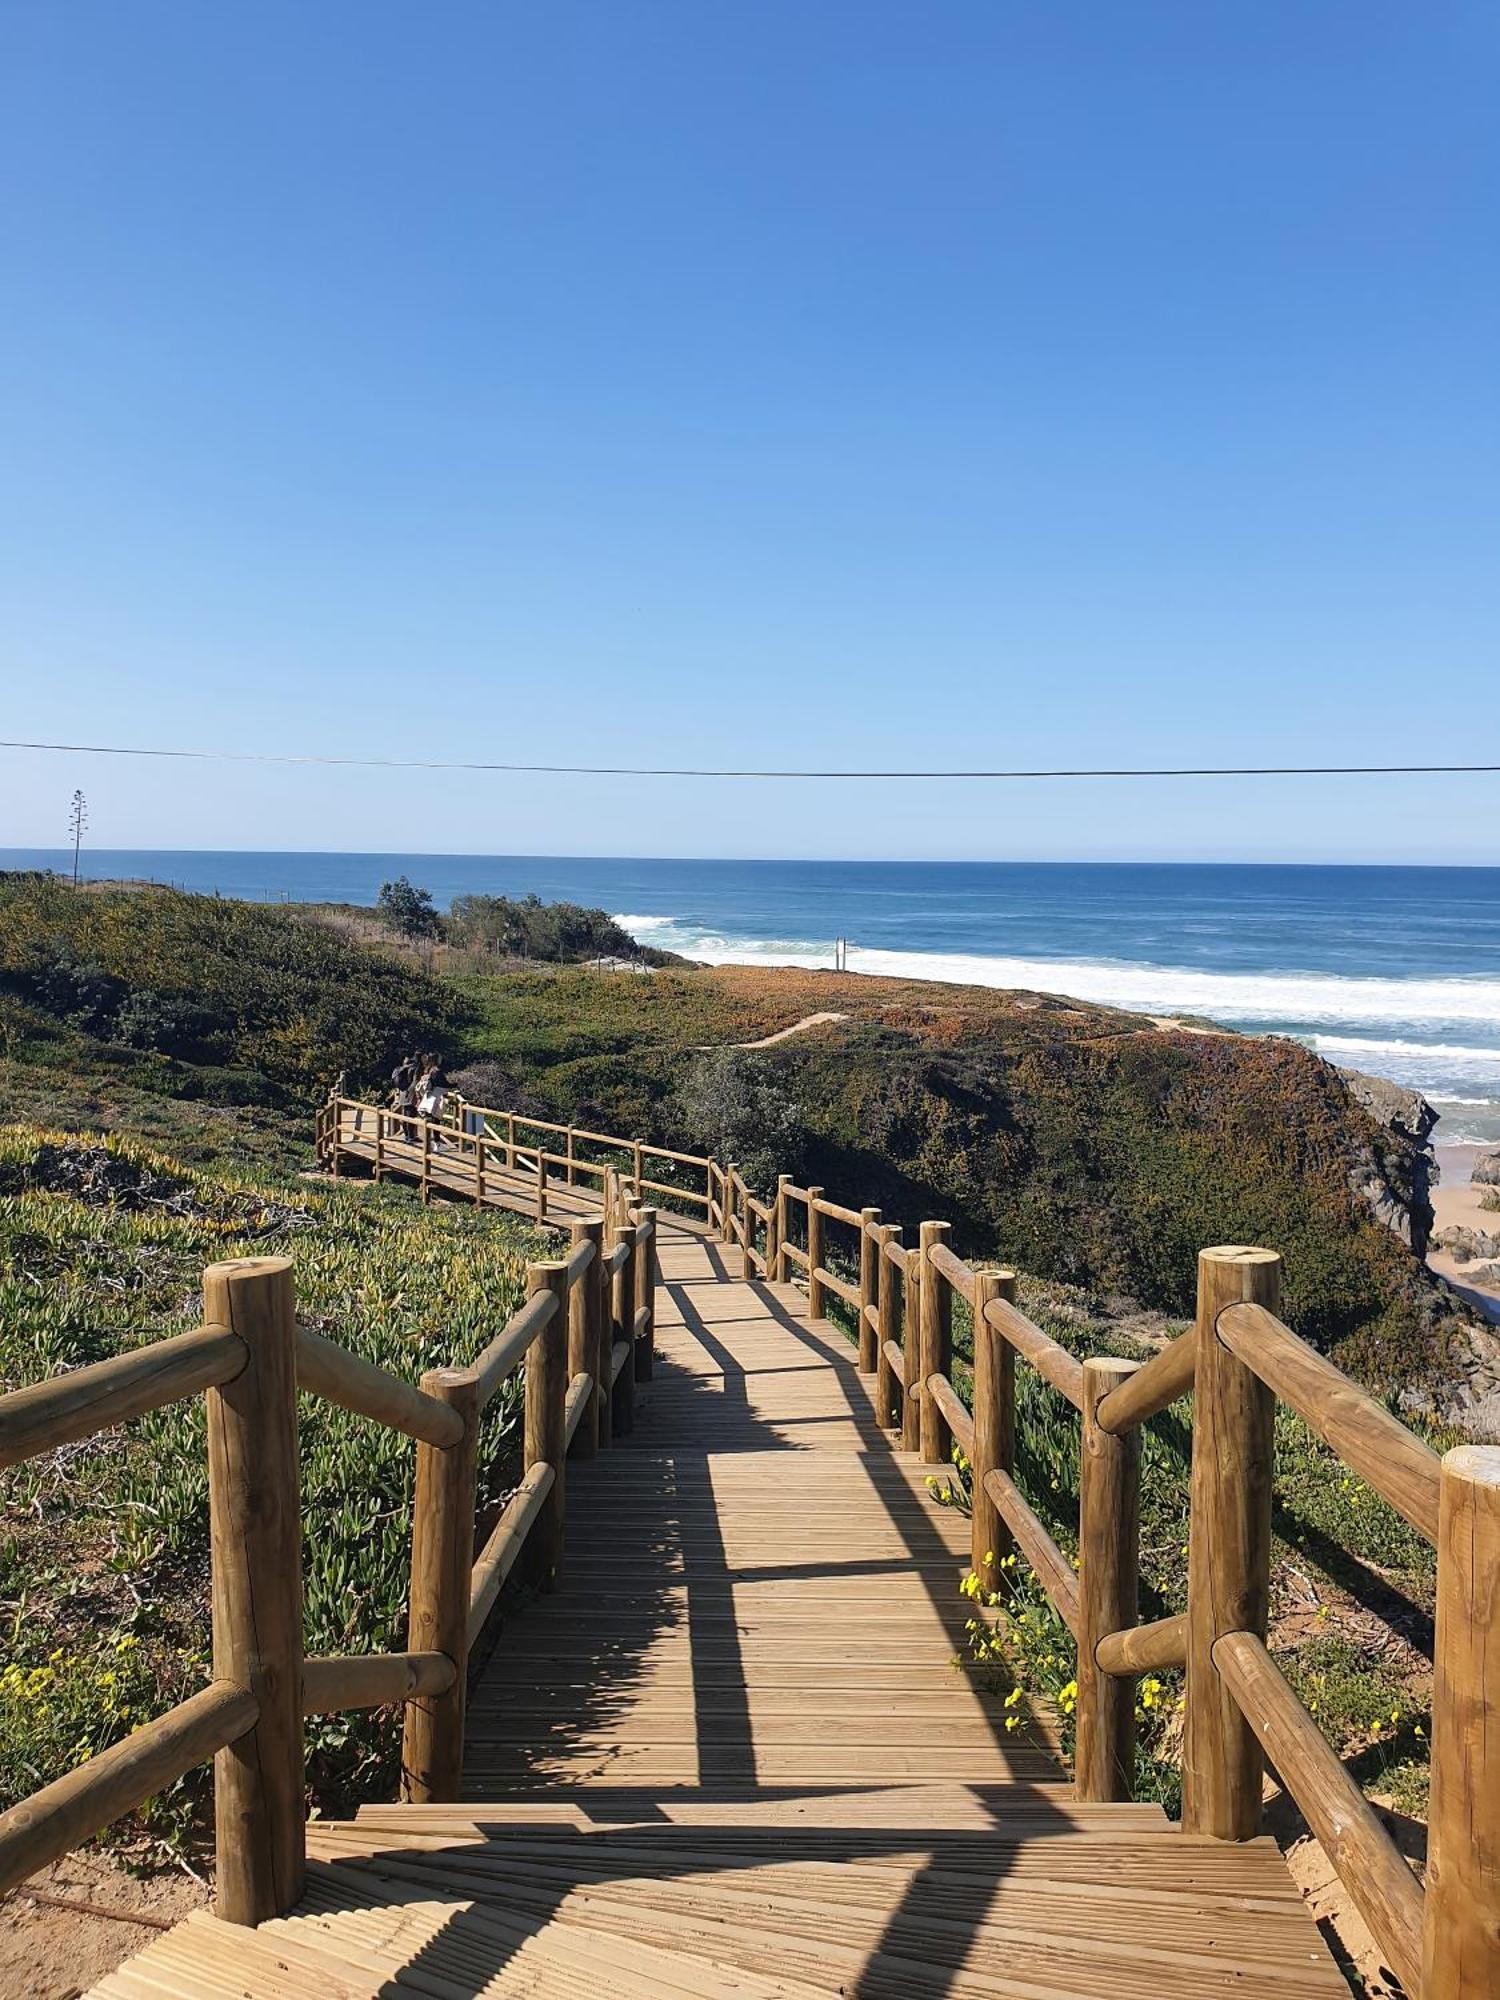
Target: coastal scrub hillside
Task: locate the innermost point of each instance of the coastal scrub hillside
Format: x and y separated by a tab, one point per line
1082	1143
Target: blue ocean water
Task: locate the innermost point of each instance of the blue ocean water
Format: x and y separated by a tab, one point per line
1391	970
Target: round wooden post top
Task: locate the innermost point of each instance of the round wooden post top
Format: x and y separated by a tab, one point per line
1238	1253
1475	1464
247	1267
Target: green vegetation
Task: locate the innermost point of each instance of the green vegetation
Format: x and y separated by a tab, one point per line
271	1004
104	1544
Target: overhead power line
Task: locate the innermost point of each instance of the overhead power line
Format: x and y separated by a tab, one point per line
705	771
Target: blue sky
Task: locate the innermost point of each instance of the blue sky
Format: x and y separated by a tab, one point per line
646	380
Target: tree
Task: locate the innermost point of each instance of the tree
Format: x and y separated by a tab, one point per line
78	819
407	909
736	1106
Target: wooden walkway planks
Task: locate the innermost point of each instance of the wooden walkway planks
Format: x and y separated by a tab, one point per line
756	1590
734	1757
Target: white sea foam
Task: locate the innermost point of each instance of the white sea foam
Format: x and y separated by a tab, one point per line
1310	1000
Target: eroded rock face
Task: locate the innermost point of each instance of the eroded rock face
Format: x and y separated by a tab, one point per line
1466	1243
1396	1180
1486	1169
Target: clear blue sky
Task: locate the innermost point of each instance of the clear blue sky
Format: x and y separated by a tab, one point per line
843	382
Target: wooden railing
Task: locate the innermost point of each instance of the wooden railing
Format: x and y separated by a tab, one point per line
487	1142
583	1336
1241	1714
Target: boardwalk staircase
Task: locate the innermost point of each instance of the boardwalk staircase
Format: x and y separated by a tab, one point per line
725	1743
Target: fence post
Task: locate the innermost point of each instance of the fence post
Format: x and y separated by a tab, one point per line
442	1559
1229	1545
255	1526
510	1141
379	1146
645	1291
911	1350
481	1140
638	1165
583	1335
994	1426
777	1274
572	1165
603	1336
621	1306
934	1346
541	1186
1109	1512
869	1276
815	1291
427	1159
546	1427
726	1203
1461	1914
888	1312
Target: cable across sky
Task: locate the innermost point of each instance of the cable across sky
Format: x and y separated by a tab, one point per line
714	771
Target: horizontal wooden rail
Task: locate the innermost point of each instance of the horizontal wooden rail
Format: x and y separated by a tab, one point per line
71	1810
85	1400
326	1369
797	1256
619	1354
792	1193
577	1263
617	1259
511	1344
1053	1570
840	1287
954	1269
1360	1851
1367	1438
895	1360
498	1556
955	1415
1144	1649
372	1680
838	1213
1154	1385
580	1389
1053	1363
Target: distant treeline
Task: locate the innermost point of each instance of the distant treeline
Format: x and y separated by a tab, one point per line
562	933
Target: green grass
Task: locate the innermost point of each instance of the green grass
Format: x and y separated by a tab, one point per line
104	1543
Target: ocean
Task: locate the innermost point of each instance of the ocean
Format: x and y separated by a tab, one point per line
1390	970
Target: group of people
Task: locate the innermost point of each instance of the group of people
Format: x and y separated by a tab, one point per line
419	1087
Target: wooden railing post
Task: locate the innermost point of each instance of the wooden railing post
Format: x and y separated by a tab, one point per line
379	1146
869	1278
621	1305
427	1159
776	1272
546	1423
1461	1915
645	1291
888	1391
255	1527
935	1345
1229	1558
572	1162
994	1426
726	1203
1109	1556
816	1295
510	1141
604	1334
583	1335
911	1350
481	1141
442	1559
541	1186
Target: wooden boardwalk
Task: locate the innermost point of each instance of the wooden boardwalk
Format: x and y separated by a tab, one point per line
734	1753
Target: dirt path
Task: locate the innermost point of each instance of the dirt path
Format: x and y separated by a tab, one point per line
781	1034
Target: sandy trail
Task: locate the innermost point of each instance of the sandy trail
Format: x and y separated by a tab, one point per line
781	1034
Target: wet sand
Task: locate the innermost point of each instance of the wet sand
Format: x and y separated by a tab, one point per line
1456	1202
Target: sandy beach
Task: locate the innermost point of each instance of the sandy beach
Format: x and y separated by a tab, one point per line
1457	1202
